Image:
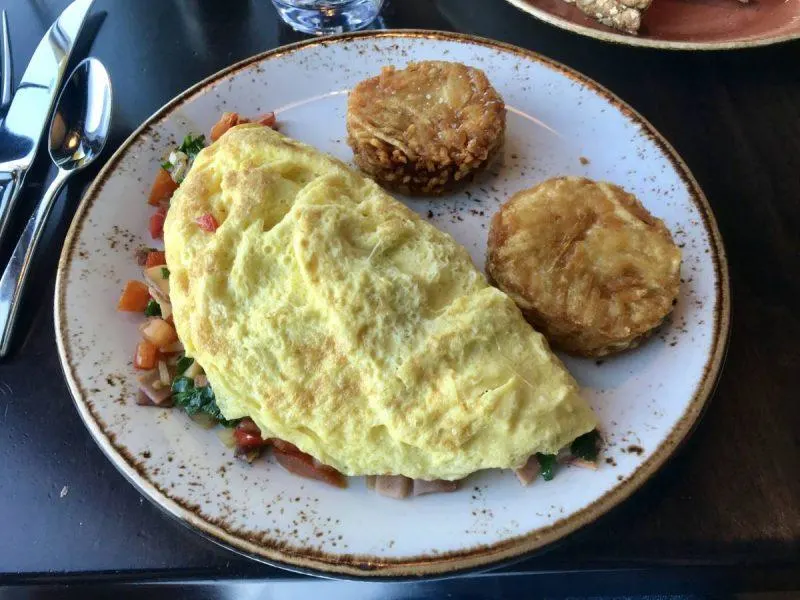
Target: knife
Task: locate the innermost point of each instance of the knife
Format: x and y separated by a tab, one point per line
30	107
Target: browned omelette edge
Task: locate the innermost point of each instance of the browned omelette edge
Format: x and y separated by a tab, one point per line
644	41
361	566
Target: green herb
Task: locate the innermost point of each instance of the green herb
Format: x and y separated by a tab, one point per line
547	463
153	309
184	362
164	273
586	446
192	145
167	166
195	400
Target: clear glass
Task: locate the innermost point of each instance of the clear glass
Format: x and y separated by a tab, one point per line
321	17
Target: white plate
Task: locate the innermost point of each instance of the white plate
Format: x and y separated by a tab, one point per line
558	123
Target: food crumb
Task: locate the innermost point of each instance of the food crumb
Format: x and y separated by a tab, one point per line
584	160
64	491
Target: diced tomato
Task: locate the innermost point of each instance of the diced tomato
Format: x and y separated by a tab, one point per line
226	121
267	119
157	222
163	187
247	441
247	424
248	435
207	222
158	332
232	119
146	356
134	297
155	258
305	465
283	446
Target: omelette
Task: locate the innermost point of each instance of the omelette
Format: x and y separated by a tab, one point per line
340	321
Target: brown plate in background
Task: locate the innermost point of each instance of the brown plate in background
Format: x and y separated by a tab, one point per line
685	24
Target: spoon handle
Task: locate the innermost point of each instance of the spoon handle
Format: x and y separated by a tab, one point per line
12	283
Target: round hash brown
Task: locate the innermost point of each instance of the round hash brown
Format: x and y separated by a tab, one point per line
423	129
588	265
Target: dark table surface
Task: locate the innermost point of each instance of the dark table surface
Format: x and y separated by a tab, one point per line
725	513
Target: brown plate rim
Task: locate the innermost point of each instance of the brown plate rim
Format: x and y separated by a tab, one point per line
352	566
645	42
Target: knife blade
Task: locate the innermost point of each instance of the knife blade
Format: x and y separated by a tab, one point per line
29	112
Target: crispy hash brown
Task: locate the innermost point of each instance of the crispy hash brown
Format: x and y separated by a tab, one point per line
422	129
588	265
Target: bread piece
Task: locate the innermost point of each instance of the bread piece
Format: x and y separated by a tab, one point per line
588	265
423	129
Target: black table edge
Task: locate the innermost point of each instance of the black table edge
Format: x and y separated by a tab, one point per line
613	579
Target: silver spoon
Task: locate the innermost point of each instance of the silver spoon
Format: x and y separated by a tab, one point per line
78	132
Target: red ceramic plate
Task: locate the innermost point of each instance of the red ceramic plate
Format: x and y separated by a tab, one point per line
685	24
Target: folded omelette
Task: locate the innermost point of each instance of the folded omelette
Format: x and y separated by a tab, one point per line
342	322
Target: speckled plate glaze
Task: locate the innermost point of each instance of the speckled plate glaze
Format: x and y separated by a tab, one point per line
685	24
559	123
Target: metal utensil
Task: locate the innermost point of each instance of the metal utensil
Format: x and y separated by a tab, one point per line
30	107
78	132
6	77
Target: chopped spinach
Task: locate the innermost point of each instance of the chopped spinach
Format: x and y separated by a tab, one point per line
196	400
164	273
586	446
192	145
184	362
153	309
547	463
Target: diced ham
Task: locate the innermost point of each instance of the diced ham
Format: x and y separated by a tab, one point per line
436	486
529	471
141	256
143	399
580	462
394	486
150	386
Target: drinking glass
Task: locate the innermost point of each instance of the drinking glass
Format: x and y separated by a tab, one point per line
322	17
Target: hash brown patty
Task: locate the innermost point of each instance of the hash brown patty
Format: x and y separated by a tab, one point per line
423	129
588	265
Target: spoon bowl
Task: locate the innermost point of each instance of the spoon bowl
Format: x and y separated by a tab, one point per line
78	132
80	124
